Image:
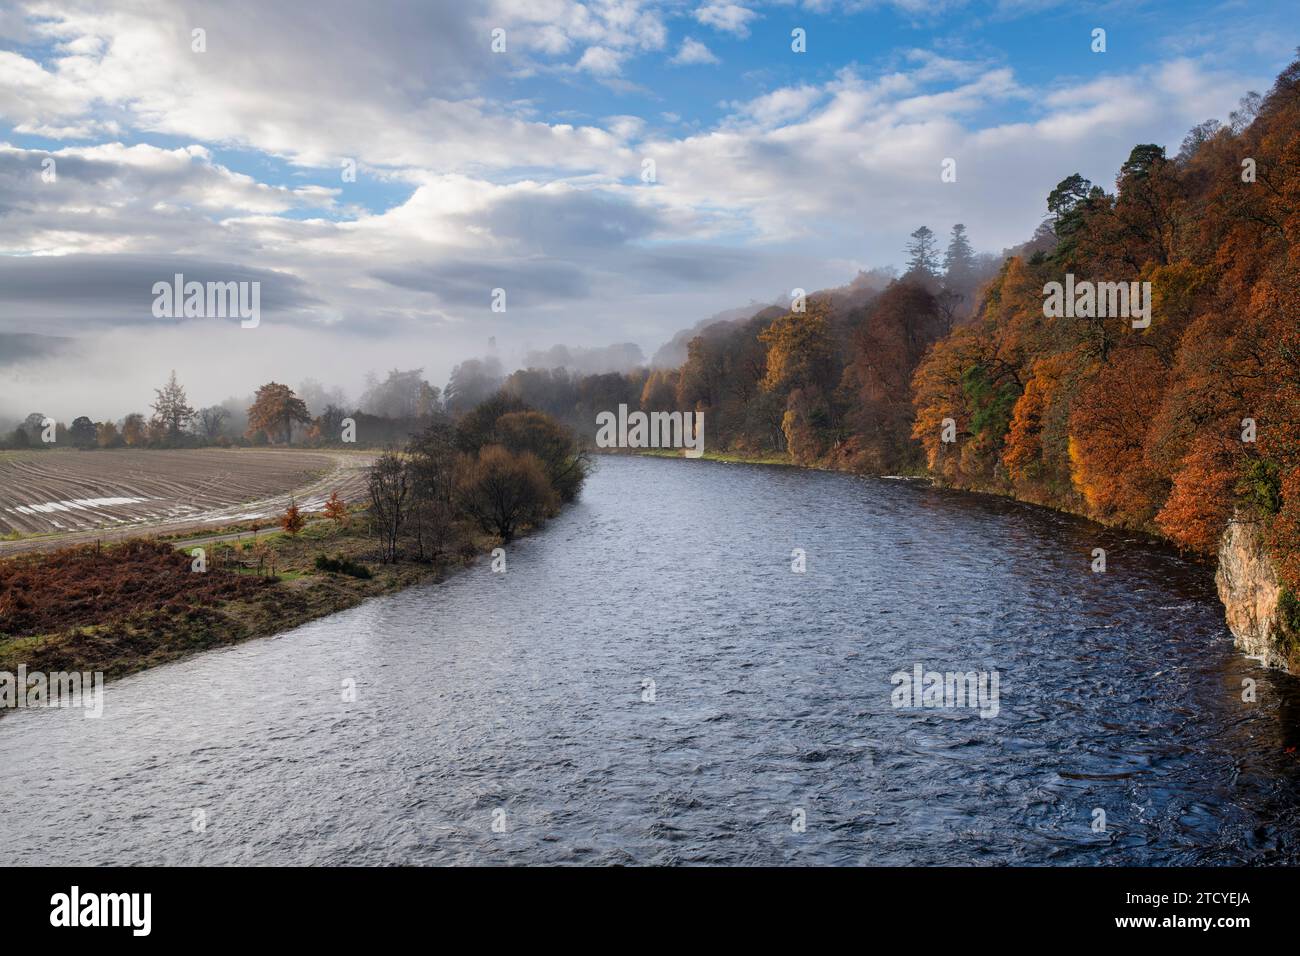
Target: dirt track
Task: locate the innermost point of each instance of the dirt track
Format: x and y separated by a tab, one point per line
68	497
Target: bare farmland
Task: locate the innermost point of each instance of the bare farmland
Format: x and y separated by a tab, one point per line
66	496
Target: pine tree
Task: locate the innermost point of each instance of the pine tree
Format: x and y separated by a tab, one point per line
922	255
959	260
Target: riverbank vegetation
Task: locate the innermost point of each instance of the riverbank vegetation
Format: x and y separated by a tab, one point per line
456	490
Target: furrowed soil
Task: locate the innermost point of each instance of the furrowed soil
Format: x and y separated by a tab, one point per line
50	499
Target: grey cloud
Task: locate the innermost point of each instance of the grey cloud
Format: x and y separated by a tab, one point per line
570	221
695	264
469	283
38	293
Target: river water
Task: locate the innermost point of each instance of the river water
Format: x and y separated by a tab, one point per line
650	683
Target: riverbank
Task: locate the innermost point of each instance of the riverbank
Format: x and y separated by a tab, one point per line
128	606
729	458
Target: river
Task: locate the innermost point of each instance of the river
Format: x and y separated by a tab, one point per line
649	682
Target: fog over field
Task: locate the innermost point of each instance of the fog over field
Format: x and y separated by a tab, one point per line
380	183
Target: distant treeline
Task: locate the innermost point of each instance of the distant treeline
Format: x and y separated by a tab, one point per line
389	412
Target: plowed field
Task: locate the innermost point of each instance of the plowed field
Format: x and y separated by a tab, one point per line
79	495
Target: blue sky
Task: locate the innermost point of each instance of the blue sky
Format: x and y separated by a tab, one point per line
522	170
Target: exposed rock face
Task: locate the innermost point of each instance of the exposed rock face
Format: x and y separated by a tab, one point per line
1249	589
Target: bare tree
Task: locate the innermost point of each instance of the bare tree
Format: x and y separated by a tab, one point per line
210	421
430	469
387	484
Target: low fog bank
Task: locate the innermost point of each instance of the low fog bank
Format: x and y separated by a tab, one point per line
109	374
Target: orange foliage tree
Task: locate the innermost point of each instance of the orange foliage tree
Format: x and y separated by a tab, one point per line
292	521
274	411
336	509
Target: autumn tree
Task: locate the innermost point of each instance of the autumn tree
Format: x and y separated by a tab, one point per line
106	435
1036	450
659	394
699	382
292	521
134	430
478	427
274	411
945	416
800	351
555	447
1108	432
503	491
876	384
336	509
1203	494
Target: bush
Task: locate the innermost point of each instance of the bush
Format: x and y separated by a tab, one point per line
1263	486
342	566
505	492
552	443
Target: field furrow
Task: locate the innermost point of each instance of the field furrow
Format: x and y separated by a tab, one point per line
63	496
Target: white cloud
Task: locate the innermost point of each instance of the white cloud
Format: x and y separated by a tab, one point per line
43	102
601	61
727	17
779	106
693	52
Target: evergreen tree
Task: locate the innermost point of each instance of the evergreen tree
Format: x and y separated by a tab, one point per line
959	260
922	254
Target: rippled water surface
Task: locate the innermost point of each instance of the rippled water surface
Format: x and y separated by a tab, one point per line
518	698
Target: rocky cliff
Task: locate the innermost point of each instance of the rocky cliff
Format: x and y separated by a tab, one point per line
1250	591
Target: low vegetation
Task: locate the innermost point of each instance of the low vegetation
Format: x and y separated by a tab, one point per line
132	605
457	490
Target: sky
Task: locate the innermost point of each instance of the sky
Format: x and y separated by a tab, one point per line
620	168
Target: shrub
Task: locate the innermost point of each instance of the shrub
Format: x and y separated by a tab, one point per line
342	566
504	492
